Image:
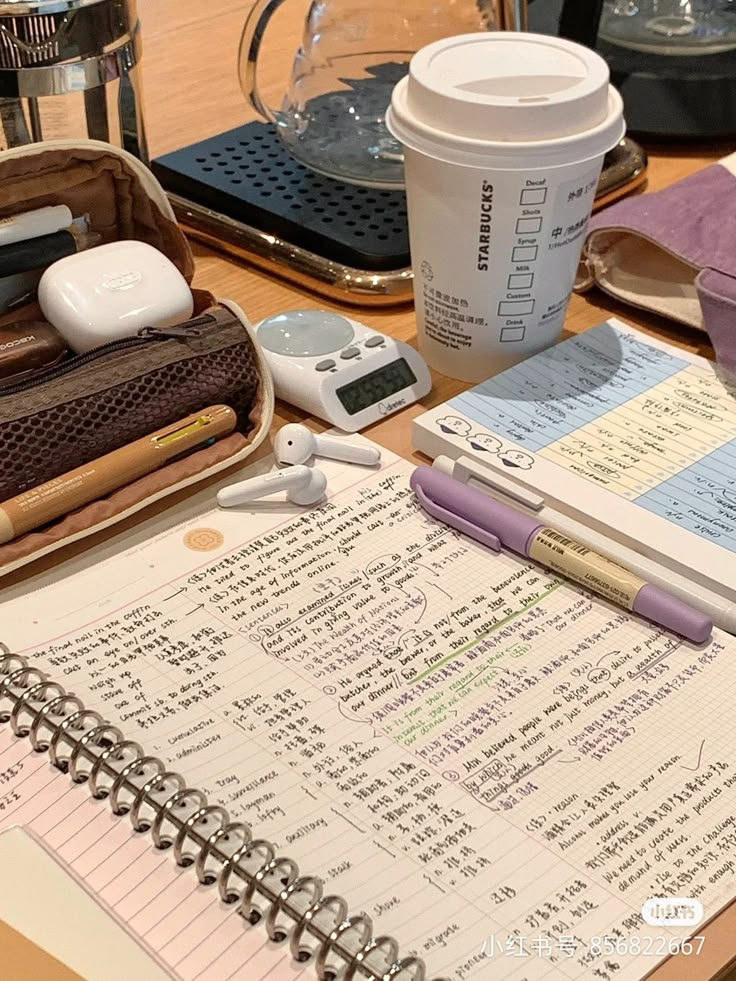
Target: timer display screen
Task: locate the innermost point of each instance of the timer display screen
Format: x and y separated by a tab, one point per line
376	386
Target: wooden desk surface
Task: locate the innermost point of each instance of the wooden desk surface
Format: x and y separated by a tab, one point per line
192	92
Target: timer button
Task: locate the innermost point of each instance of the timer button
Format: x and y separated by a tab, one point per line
325	365
350	352
375	341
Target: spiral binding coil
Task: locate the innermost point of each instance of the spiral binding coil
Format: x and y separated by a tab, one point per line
245	869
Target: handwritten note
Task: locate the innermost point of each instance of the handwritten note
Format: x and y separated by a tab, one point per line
499	769
636	420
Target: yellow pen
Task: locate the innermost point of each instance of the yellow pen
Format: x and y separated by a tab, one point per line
38	506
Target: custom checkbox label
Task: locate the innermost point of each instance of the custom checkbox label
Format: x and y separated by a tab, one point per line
515	308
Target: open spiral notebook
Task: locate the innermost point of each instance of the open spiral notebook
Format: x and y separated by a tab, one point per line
487	763
51	926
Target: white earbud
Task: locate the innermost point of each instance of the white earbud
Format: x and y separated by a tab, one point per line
295	444
302	486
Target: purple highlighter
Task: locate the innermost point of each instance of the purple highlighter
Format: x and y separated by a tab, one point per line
494	524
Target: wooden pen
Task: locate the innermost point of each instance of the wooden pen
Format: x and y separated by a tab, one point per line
45	503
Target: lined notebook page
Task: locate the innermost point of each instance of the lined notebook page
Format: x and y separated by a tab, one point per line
51	908
495	767
185	925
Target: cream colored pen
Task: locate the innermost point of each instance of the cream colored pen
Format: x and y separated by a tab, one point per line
45	503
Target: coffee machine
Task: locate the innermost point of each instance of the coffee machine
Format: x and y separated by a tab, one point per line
674	61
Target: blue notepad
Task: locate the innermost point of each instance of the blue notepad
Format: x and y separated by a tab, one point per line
626	433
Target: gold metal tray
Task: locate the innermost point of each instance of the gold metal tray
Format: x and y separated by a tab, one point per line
624	171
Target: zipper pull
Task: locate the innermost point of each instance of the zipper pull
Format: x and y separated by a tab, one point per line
192	328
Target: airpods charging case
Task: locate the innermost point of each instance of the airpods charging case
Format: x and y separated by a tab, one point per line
110	292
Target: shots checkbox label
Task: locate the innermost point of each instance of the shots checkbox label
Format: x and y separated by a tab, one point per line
528	226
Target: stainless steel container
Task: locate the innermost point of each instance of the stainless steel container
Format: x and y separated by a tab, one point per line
69	69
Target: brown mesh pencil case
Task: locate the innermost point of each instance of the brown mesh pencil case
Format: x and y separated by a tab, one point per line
97	402
87	406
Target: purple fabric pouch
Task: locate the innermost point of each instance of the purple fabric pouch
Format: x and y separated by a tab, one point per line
674	253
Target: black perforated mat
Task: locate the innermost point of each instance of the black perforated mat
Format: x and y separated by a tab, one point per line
247	174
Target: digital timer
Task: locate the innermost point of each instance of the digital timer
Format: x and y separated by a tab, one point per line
339	369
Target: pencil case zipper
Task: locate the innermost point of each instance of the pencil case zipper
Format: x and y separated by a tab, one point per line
192	328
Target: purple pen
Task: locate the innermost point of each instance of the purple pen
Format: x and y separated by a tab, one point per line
495	524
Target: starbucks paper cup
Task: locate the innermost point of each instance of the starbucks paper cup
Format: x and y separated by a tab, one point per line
504	137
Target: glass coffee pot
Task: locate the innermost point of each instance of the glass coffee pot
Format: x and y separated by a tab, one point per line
353	52
673	61
670	27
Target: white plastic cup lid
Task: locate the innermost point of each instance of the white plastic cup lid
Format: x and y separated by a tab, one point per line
505	93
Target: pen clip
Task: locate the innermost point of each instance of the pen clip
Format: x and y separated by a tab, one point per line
486	473
473	531
181	432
